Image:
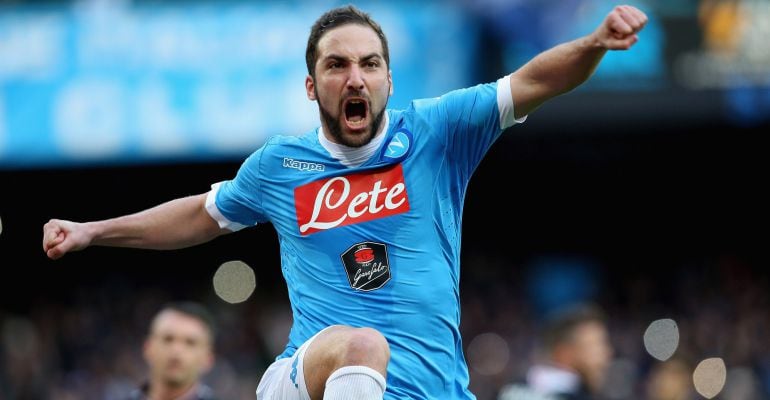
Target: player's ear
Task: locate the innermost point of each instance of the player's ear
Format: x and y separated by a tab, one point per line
390	81
210	360
147	350
310	87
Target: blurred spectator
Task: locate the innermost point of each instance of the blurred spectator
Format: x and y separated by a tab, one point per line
179	351
576	355
21	346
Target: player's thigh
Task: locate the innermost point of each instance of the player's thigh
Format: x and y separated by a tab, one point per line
340	345
319	358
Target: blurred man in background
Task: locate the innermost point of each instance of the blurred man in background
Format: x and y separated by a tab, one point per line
178	351
575	358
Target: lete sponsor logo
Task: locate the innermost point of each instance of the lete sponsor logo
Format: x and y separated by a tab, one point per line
350	199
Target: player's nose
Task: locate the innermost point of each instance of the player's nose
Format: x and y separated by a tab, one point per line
355	78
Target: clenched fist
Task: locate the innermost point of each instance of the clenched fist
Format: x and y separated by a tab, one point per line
61	237
618	30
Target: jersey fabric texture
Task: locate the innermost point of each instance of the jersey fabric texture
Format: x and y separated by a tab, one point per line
377	245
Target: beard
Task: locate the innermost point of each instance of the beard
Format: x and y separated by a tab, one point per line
335	127
178	380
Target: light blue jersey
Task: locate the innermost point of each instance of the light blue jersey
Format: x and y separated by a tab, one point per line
378	244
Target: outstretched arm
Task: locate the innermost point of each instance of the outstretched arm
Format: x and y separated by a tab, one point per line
566	66
179	223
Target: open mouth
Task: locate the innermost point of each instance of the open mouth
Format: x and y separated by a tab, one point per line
356	111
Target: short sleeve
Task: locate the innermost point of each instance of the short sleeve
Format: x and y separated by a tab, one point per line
235	204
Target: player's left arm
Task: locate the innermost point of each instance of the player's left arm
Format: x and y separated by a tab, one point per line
564	67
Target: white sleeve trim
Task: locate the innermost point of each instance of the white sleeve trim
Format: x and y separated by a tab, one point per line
214	212
505	103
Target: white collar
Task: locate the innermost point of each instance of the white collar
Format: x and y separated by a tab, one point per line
354	156
548	379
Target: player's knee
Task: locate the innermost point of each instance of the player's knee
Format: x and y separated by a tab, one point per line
366	346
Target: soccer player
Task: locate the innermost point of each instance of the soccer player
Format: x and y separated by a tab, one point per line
368	211
575	358
178	351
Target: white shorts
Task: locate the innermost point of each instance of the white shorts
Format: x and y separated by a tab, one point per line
284	379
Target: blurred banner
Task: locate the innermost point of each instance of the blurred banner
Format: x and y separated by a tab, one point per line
107	81
119	81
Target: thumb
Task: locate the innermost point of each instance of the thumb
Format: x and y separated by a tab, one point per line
59	247
622	44
58	239
54	253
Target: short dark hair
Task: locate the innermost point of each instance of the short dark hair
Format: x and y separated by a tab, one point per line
337	17
192	309
560	326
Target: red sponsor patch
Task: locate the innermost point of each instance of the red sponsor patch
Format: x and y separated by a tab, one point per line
364	255
350	199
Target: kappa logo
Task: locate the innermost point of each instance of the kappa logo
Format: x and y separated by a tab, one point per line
302	165
399	144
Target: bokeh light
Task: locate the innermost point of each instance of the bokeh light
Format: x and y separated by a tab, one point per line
709	377
234	282
661	338
488	353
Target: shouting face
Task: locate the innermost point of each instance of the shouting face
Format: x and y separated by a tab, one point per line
351	83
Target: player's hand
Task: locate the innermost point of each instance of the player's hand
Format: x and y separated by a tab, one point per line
619	29
61	237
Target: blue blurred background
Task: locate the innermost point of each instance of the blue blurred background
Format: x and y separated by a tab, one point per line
644	190
104	82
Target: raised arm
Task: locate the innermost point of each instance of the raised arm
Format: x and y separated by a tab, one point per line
566	66
179	223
